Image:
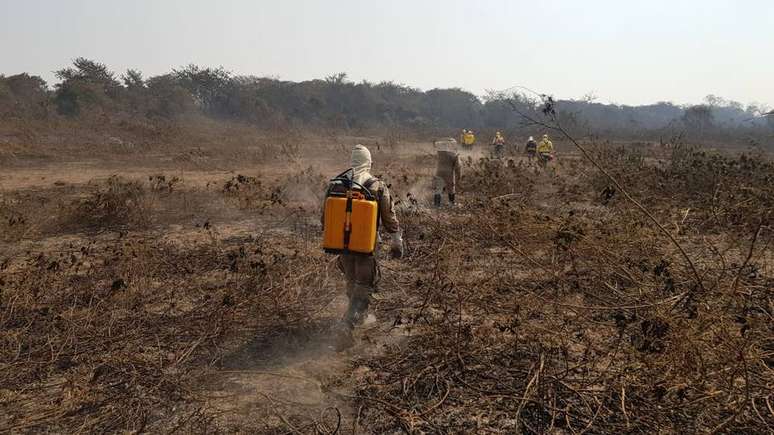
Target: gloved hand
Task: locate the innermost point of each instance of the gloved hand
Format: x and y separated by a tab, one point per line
396	245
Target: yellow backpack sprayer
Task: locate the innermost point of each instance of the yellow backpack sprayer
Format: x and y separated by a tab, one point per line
351	216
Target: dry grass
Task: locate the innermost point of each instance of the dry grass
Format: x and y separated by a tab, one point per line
118	332
541	305
577	318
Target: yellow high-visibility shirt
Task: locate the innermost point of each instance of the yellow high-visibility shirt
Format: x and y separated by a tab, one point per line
545	146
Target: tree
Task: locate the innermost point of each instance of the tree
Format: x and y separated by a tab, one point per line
133	79
698	119
168	98
87	83
23	95
336	79
90	71
453	108
208	86
715	101
137	96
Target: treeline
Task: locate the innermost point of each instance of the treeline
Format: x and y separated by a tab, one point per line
89	88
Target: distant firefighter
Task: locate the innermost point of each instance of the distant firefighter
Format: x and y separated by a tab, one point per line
447	171
356	204
499	145
545	150
531	148
468	139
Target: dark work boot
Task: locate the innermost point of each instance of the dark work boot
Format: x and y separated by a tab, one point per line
437	200
356	311
451	198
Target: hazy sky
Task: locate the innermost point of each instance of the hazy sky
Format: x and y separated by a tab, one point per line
622	51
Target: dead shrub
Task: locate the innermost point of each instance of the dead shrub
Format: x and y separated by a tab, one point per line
114	203
300	188
13	222
250	193
161	184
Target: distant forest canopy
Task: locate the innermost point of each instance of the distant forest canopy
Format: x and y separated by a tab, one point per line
89	88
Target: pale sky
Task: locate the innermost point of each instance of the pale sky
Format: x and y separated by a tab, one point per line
627	52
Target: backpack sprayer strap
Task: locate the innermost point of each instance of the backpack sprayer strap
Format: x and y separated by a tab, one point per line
378	197
348	221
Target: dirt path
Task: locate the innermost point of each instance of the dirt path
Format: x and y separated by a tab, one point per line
300	379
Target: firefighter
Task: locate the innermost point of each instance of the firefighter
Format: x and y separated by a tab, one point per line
447	171
545	150
468	139
361	272
531	148
499	145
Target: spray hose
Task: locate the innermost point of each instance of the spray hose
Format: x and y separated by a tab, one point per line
347	181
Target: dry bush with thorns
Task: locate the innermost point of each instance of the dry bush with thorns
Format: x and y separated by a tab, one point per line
116	202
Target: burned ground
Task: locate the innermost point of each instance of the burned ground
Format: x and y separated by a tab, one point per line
180	296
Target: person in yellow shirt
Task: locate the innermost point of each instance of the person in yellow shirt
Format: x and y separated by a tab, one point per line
545	150
468	139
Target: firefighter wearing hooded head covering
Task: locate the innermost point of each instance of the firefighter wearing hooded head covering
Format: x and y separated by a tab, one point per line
361	272
447	171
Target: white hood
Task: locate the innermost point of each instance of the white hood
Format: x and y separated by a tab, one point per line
361	164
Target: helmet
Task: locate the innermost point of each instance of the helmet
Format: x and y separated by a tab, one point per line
531	138
545	136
